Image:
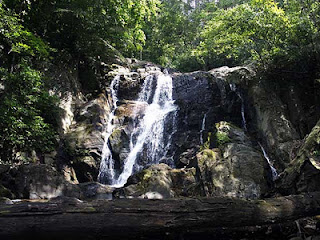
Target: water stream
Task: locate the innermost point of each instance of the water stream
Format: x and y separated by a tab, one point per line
273	170
233	88
203	127
106	171
148	137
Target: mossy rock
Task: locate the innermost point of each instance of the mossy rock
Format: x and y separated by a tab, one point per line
234	168
209	155
228	132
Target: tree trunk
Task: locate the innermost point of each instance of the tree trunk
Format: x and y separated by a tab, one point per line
141	218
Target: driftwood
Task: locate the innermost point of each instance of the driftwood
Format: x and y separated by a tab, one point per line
140	218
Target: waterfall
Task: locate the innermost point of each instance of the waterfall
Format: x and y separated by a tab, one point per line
149	134
203	126
273	170
106	171
148	140
147	89
233	88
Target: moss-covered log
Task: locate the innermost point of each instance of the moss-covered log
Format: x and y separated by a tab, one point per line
133	218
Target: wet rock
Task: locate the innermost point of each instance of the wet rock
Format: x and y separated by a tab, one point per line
129	111
185	183
129	86
187	86
237	75
154	182
119	143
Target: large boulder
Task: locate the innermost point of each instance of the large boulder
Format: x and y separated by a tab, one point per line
95	190
235	167
268	117
161	182
237	75
38	181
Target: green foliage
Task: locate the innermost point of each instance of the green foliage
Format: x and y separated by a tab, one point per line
25	124
230	3
273	35
255	32
316	153
207	144
22	126
71	24
19	39
222	138
172	34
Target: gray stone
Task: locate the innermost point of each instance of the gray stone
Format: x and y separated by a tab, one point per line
273	123
94	190
162	182
84	140
236	168
40	181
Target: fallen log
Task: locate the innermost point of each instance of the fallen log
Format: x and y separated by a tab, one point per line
138	218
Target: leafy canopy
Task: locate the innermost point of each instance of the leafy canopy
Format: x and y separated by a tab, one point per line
23	98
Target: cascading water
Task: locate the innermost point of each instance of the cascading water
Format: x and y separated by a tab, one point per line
233	88
106	171
148	136
273	170
203	127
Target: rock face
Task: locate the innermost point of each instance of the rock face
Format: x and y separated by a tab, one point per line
84	141
218	159
273	123
235	168
202	100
